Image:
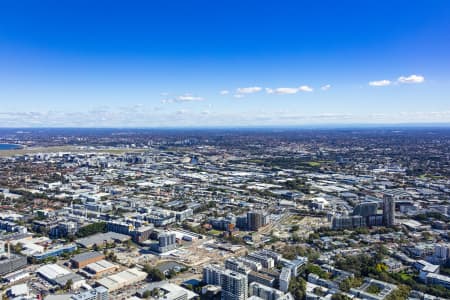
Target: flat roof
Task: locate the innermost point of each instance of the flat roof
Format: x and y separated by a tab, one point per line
52	271
100	266
62	280
87	255
100	238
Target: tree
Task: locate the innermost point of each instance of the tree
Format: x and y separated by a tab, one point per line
172	273
401	293
297	287
315	269
68	285
373	289
296	238
154	274
147	294
349	283
91	229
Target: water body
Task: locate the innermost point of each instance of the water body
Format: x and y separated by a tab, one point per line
9	147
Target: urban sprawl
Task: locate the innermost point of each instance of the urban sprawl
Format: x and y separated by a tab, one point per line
273	214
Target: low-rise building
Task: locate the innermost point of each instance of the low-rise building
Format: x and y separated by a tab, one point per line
81	260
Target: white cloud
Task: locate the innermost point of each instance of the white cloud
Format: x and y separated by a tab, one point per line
305	88
183	98
383	82
238	96
249	90
288	90
411	79
224	92
164	101
282	91
189	97
326	87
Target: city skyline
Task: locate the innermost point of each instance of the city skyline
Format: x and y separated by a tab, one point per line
199	64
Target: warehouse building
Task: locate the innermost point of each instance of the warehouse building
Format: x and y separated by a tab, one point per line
101	239
100	268
81	260
122	279
12	263
58	275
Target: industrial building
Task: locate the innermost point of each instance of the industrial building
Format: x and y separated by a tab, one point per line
102	238
100	268
55	252
11	263
58	275
122	279
81	260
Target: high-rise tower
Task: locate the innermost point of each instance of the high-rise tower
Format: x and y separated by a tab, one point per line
389	210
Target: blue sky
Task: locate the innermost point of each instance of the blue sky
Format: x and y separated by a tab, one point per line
223	63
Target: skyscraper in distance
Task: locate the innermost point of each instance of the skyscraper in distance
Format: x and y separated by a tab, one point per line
388	210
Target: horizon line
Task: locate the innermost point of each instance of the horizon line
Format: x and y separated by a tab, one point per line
304	126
